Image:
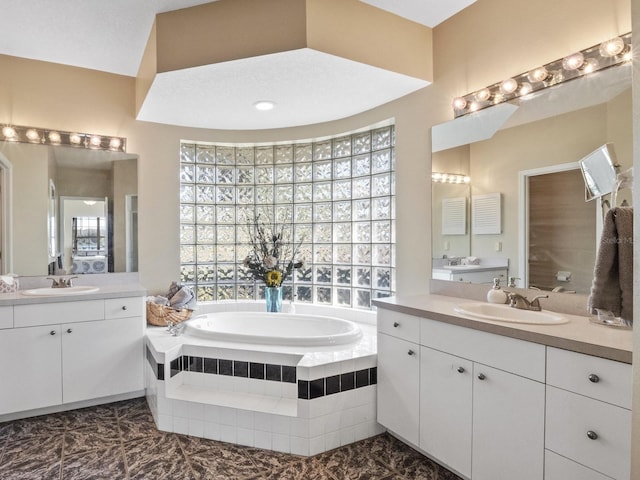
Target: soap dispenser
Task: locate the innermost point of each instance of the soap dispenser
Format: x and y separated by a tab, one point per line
496	294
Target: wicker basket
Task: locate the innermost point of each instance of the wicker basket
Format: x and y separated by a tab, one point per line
159	315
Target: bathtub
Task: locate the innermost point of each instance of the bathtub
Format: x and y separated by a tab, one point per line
274	328
301	383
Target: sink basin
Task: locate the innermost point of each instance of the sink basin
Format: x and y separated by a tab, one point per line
54	292
504	313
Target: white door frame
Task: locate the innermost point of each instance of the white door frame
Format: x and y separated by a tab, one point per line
6	215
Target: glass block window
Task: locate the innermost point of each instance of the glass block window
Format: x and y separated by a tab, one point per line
339	194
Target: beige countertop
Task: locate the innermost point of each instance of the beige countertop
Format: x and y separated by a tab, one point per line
104	291
578	335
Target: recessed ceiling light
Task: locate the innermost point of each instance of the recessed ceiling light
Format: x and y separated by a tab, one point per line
264	105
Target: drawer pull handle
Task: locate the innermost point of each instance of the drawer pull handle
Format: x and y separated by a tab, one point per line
52	332
592	435
460	369
411	352
69	330
481	376
396	324
124	307
593	378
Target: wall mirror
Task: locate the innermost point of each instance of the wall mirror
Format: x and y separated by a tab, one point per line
45	188
544	135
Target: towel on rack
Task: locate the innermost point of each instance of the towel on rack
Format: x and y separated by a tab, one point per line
612	287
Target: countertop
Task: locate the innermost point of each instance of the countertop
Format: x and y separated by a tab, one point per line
468	268
105	291
578	335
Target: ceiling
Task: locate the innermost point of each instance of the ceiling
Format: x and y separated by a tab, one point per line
110	36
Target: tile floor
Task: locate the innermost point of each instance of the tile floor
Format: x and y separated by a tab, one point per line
120	441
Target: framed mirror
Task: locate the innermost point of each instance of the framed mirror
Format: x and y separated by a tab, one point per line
556	126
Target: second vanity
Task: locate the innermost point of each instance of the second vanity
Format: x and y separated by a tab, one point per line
69	350
495	400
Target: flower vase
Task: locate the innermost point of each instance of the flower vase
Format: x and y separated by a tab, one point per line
273	297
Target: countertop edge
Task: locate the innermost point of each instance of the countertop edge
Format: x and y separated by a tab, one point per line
104	292
548	339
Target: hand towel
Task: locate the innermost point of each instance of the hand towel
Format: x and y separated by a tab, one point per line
612	287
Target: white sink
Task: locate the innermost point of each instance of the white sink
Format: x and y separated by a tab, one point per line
49	291
504	313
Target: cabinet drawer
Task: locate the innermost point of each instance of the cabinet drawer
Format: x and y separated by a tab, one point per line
52	313
123	307
399	325
509	354
6	317
594	377
571	420
561	468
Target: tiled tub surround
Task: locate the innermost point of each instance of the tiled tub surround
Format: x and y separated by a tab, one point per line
301	400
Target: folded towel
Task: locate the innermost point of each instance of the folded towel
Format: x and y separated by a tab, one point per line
173	289
612	287
181	298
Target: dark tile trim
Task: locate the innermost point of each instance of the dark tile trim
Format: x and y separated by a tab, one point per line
307	389
235	368
158	368
321	387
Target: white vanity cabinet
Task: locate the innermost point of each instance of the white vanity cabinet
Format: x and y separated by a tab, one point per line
66	352
482	402
398	374
588	423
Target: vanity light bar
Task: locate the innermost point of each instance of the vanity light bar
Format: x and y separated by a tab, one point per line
449	178
598	57
44	136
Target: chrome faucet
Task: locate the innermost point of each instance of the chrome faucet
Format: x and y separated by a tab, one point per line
61	282
515	300
174	329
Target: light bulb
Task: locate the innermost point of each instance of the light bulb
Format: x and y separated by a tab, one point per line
459	103
32	135
9	133
54	137
474	106
466	179
508	86
590	65
539	74
525	88
95	141
114	143
483	95
75	138
573	61
611	48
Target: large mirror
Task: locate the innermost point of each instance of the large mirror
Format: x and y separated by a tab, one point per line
67	210
528	161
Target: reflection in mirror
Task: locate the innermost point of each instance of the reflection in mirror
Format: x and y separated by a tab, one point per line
28	209
558	126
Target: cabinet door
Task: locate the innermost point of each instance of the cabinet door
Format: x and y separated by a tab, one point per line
398	390
31	370
445	408
101	358
508	426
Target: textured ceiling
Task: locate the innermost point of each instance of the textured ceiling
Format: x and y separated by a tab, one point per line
110	36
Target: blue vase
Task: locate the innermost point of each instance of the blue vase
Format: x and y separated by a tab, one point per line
273	297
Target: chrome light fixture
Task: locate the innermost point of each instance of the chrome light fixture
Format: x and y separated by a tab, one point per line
44	136
598	57
449	178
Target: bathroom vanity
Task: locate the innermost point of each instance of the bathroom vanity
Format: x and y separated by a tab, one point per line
69	350
496	400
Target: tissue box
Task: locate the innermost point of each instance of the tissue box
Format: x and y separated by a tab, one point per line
8	285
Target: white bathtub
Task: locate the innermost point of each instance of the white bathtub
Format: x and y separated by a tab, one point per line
274	328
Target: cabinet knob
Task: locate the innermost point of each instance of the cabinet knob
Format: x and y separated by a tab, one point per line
460	369
481	376
593	378
592	435
411	352
69	330
52	332
124	307
396	324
